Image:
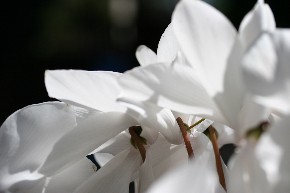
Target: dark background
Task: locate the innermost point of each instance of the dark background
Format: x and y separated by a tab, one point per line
86	34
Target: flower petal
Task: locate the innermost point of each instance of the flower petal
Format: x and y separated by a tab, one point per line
246	174
251	114
256	22
273	154
146	174
86	137
274	93
168	46
154	119
116	144
176	87
69	179
103	158
260	66
29	135
115	176
145	55
166	156
97	90
184	179
206	38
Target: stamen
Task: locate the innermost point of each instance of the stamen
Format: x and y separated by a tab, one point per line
138	141
213	139
195	124
185	137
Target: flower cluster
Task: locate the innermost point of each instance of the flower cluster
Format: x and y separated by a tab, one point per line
159	126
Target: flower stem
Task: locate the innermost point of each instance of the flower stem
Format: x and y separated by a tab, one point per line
138	142
185	137
213	139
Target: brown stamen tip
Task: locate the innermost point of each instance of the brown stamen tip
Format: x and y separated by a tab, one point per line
138	142
213	139
185	137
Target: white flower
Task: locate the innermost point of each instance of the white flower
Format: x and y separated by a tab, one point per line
269	78
199	175
27	138
210	84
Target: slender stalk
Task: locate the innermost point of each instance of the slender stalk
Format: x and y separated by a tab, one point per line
195	124
138	142
185	137
213	139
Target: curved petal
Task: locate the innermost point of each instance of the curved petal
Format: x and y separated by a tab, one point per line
226	134
115	176
166	156
260	66
145	55
168	46
29	135
97	90
275	92
256	22
246	174
176	87
206	38
273	154
251	114
154	119
103	158
68	180
83	139
198	176
146	174
116	144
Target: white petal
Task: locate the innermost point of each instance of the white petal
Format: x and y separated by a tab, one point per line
86	137
246	174
278	89
28	136
175	87
232	99
166	156
198	176
206	38
273	154
226	134
251	114
146	174
115	176
257	21
24	180
103	158
168	46
97	90
260	66
116	144
154	119
145	55
68	180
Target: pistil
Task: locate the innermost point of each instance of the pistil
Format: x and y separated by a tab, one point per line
185	137
138	141
213	139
